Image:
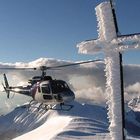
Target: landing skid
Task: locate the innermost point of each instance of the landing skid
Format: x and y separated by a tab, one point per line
35	104
61	106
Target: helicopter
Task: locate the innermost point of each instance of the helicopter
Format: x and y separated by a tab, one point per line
44	89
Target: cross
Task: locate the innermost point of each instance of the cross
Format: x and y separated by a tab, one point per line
112	44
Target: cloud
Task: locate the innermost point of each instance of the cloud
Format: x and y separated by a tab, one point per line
87	80
132	91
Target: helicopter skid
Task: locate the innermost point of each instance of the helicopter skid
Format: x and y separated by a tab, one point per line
63	107
40	106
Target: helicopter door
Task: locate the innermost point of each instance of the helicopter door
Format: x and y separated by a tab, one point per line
45	89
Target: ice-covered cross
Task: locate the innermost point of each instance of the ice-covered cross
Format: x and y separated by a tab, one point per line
112	45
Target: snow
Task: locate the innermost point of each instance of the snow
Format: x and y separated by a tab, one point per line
135	104
83	121
127	42
106	27
48	130
113	91
119	44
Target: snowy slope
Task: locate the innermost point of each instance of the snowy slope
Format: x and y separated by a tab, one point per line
82	122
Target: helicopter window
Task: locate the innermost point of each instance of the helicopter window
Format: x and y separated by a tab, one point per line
45	88
47	97
59	86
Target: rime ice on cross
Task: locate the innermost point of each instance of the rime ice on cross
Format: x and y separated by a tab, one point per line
112	45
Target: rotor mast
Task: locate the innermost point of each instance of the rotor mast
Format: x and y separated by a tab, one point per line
43	69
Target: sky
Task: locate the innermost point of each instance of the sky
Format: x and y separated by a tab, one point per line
31	29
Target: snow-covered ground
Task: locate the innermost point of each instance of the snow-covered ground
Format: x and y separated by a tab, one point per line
83	121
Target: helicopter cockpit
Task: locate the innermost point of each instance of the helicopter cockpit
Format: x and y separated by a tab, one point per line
53	88
58	86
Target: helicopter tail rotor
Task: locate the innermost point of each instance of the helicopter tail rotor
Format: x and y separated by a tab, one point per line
6	86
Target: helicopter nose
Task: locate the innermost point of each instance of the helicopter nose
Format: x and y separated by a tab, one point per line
68	96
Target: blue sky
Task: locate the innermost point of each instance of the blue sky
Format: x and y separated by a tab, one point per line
30	29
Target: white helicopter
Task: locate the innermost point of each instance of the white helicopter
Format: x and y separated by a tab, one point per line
45	90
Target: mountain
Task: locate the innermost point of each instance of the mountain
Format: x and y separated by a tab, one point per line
83	121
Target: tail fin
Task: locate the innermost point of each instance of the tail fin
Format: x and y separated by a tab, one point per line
6	87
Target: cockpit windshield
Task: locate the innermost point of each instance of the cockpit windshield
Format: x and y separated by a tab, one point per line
59	86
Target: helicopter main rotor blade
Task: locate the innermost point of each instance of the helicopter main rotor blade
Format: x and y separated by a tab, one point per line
43	68
72	64
16	68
